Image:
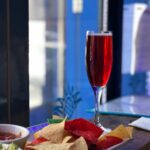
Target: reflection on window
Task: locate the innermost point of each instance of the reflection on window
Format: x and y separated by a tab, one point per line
57	70
135	56
46	48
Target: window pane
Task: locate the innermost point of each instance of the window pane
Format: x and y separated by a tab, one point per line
135	56
57	51
46	52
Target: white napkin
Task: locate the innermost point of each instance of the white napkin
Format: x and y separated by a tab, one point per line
143	123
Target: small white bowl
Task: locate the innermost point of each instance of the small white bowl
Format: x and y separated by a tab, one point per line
15	129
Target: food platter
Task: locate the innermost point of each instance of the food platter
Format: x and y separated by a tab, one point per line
113	140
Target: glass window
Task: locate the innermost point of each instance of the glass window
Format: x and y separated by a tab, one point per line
135	49
57	32
46	55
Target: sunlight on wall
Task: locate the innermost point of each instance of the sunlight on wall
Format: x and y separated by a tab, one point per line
36	61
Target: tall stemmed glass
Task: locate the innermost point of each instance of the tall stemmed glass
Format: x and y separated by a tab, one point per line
98	64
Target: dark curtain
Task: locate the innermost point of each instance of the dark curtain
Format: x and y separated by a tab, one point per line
14	76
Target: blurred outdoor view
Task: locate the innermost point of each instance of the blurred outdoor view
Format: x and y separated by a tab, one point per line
46	54
136	48
57	32
57	72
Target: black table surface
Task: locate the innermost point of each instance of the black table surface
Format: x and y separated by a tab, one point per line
141	138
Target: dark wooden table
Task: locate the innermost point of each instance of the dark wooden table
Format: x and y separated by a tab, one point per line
141	138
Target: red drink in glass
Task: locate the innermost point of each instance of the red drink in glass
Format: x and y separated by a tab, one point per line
98	57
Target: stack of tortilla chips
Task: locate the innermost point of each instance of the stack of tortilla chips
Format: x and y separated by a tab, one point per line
78	134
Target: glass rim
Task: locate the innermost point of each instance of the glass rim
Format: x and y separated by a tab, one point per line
99	33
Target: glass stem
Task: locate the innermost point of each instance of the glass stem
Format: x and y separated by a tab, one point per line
98	94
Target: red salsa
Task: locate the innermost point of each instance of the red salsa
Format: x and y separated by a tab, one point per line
8	136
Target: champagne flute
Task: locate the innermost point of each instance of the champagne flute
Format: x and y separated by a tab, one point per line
98	55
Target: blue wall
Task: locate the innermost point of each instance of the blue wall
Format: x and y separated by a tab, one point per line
75	72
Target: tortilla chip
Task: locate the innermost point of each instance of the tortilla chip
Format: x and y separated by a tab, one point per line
36	135
120	132
108	142
53	132
79	144
130	131
81	127
51	146
67	139
57	117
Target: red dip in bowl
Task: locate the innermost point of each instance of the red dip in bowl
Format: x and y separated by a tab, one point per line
8	136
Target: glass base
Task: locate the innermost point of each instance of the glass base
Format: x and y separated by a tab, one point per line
97	123
106	130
